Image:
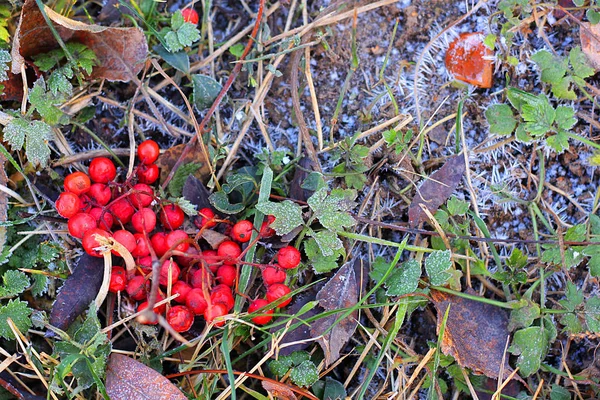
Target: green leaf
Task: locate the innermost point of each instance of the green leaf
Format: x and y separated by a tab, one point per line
298	357
327	241
288	215
580	63
36	134
553	67
186	206
593	264
539	115
4	61
501	119
437	266
281	366
40	285
405	279
187	34
172	42
220	201
562	89
592	314
565	117
14	282
305	374
177	20
574	297
15	131
530	344
593	16
45	103
19	312
517	259
331	210
320	263
558	142
559	393
378	269
237	50
206	90
181	175
524	316
457	207
178	60
59	83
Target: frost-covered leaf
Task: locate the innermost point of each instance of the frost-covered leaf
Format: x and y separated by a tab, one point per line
562	89
288	215
14	282
15	131
220	201
405	279
320	263
501	119
187	34
580	63
172	42
19	312
592	314
574	297
45	103
205	90
40	285
524	316
538	114
332	210
176	184
457	207
565	117
177	20
305	374
59	83
553	67
437	266
530	344
186	206
558	142
593	251
4	60
559	393
35	134
328	241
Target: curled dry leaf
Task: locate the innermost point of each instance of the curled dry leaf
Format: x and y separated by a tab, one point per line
340	292
214	238
167	161
436	189
121	52
590	42
128	379
470	60
475	335
278	390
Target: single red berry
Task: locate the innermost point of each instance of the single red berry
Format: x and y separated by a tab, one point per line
169	269
103	218
118	279
172	216
205	218
102	170
272	275
267	314
122	210
159	243
242	231
145	264
265	230
80	223
90	243
68	204
190	15
125	238
180	318
148	173
288	257
190	260
200	278
276	291
137	287
176	237
142	246
101	193
212	260
226	274
223	296
144	220
230	251
141	195
181	288
213	312
195	301
148	151
142	318
77	182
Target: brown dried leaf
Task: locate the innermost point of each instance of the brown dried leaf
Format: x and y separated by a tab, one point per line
78	291
300	335
436	190
128	379
167	161
340	292
589	35
13	88
278	390
213	238
475	335
121	52
304	167
196	192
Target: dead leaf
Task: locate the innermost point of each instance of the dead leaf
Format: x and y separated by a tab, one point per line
340	292
436	189
120	52
470	60
300	335
167	161
475	335
278	390
304	167
13	88
196	192
213	238
128	379
78	291
589	35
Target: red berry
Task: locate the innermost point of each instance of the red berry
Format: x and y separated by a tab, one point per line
148	151
103	218
190	260
181	288
86	202
190	15
101	193
118	279
141	195
169	269
176	237
212	259
90	243
272	275
145	264
142	319
122	210
242	231
223	296
200	278
195	301
137	288
172	216
265	230
226	274
230	251
213	312
276	291
102	170
68	204
125	238
180	318
288	257
157	309
80	223
205	218
159	243
257	305
77	182
142	247
148	173
144	220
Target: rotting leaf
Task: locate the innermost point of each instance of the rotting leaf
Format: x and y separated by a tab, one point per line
121	52
127	379
78	291
437	189
340	292
475	335
278	390
167	161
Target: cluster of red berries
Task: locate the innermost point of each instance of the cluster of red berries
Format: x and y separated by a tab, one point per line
98	204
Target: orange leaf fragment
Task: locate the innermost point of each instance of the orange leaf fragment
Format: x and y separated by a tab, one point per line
470	60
